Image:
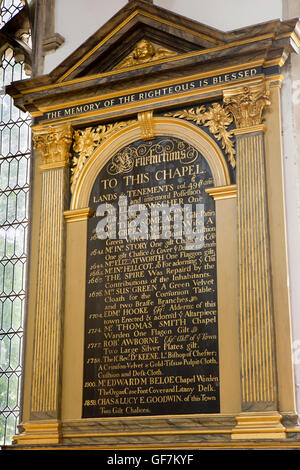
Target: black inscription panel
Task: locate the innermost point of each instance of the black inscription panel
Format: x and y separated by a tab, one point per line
151	339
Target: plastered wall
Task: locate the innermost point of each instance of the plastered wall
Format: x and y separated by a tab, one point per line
291	155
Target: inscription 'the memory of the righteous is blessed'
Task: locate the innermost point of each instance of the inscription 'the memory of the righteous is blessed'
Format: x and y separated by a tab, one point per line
161	92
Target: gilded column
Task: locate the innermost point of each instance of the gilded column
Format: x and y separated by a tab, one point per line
54	144
258	384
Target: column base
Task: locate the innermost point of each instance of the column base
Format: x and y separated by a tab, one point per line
256	425
39	432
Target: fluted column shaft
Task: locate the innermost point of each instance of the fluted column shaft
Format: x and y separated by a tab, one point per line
256	322
258	384
54	144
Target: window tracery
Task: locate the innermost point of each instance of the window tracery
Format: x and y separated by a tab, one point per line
15	143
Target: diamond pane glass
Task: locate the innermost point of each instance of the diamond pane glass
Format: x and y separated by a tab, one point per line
15	148
10	8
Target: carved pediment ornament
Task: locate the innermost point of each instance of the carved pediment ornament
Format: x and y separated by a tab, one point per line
246	104
143	53
54	144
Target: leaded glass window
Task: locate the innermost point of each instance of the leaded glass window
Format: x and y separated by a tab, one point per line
14	190
10	8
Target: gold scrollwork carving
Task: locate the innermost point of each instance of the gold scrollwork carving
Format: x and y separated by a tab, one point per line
217	119
86	141
163	151
247	103
54	144
122	162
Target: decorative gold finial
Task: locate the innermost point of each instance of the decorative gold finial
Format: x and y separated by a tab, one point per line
246	104
54	144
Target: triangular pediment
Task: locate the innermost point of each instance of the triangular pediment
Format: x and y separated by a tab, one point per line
144	45
115	45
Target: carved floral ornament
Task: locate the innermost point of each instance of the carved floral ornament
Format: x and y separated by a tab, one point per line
86	141
244	106
217	119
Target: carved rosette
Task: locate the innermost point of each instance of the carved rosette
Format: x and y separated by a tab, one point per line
54	144
246	104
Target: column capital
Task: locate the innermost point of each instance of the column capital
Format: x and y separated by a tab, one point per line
246	104
54	144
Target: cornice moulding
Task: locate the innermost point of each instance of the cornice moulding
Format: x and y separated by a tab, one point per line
267	43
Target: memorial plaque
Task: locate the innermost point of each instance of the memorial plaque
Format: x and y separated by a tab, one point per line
151	337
